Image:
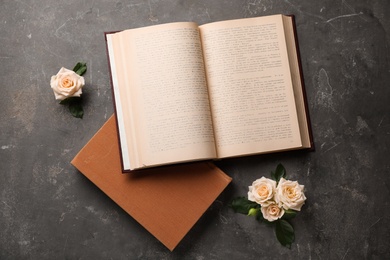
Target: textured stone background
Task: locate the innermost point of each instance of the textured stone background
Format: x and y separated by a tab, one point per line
48	210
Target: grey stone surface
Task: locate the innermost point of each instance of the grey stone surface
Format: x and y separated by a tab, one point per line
48	210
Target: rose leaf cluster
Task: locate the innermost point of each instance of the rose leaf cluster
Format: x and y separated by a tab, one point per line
274	201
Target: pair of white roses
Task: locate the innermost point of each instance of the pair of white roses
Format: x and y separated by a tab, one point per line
276	198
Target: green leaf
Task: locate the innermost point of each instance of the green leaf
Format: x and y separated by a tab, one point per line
80	68
243	205
260	217
75	106
280	172
289	214
76	109
284	233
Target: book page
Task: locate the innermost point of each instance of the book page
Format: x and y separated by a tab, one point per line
297	81
164	96
250	86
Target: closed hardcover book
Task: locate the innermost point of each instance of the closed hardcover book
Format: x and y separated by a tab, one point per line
156	197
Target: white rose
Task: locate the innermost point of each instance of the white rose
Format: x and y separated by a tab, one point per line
66	83
262	190
272	211
289	195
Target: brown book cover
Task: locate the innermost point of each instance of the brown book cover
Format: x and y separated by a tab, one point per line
155	197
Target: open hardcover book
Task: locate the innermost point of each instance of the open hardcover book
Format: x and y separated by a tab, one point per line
185	92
